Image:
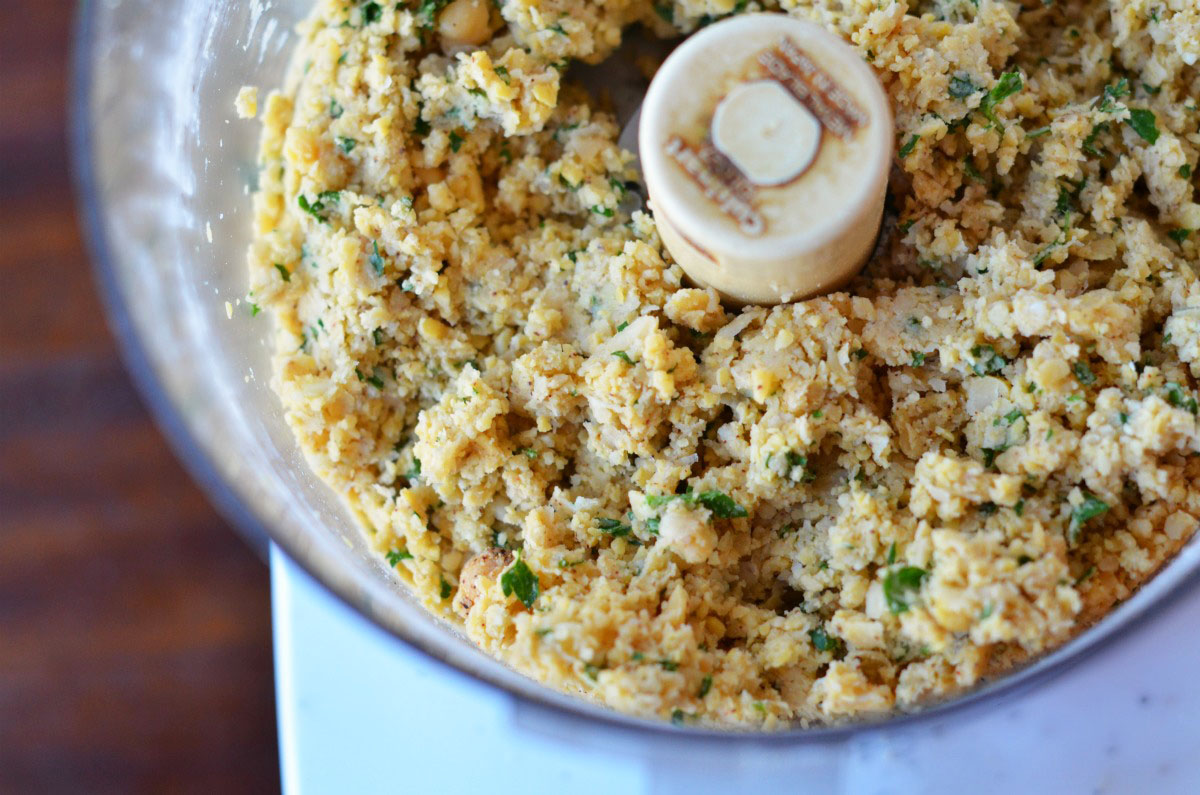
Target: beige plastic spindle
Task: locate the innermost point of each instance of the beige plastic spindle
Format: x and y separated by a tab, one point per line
766	144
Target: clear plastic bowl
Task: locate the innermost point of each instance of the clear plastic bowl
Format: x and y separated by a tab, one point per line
164	172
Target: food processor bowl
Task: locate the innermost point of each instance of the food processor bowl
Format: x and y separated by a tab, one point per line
165	173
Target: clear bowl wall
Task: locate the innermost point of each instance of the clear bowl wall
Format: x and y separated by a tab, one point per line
164	172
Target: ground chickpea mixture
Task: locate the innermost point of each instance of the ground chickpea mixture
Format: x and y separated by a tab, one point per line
756	517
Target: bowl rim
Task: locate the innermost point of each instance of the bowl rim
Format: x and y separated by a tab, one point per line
257	532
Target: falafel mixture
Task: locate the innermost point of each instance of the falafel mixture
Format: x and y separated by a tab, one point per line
751	517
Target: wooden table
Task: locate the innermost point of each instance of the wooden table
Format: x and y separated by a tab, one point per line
135	639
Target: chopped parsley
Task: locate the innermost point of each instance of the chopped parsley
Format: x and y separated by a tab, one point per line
1091	507
623	356
427	12
908	148
347	144
1145	124
990	453
721	505
446	588
962	87
1179	399
396	555
1108	100
1011	417
1083	373
414	471
1185	171
371	13
901	586
607	212
823	641
283	271
1009	84
528	452
376	262
456	141
1179	235
705	686
335	110
918	359
519	580
317	207
987	361
613	527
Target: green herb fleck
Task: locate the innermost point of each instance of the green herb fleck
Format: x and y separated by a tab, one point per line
456	141
823	641
520	580
347	144
990	453
1145	124
623	356
283	272
962	87
1179	235
987	361
908	148
1108	101
1008	84
1091	507
376	260
901	586
1083	373
613	527
705	685
1178	398
396	555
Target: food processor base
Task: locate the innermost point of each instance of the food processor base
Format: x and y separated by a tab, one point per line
361	712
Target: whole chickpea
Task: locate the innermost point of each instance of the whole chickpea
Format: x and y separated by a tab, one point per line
464	23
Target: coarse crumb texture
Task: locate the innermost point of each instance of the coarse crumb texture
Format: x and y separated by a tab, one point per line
799	514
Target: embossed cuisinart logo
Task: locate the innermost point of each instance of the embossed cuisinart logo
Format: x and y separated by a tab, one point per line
729	187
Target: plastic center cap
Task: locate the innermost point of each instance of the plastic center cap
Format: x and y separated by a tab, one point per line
766	132
766	144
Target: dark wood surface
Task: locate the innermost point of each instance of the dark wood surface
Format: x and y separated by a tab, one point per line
134	624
